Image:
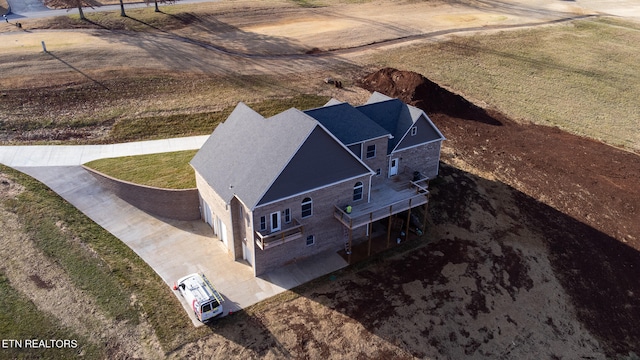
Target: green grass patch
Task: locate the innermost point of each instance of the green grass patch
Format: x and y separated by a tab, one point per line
156	127
43	216
164	170
308	3
99	263
165	126
21	320
172	170
583	76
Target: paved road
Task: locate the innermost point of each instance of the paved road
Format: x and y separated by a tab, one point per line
166	245
21	9
26	6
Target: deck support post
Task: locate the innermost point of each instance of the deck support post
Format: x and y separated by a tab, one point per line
389	227
406	233
370	228
350	248
425	207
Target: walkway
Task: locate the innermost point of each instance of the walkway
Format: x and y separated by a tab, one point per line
166	245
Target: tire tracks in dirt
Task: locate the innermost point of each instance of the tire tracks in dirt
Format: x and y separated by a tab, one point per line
222	50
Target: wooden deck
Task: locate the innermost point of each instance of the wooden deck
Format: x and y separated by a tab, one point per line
267	240
388	197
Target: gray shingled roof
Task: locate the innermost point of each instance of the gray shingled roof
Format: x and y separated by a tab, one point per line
320	161
247	152
253	158
397	118
347	123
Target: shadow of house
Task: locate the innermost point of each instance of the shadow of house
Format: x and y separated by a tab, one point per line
497	275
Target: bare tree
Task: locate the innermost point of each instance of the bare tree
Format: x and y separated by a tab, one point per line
157	1
122	9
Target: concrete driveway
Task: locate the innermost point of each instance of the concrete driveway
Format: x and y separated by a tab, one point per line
172	248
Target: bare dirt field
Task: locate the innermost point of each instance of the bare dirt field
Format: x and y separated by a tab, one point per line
533	248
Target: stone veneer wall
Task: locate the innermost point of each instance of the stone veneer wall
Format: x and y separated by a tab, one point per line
168	203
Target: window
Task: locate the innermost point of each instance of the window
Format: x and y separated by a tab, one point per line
414	131
371	151
311	239
206	307
263	223
378	172
357	191
287	216
306	207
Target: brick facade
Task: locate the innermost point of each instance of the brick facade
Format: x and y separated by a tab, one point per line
219	211
423	158
380	160
265	249
327	231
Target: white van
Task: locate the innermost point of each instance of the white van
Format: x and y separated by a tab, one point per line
204	299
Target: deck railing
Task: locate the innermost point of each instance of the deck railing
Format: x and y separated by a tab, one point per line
266	241
421	185
359	218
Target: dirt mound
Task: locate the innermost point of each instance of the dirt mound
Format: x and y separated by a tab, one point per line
586	198
417	90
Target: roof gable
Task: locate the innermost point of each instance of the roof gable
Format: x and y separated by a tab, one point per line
425	132
398	118
260	160
320	161
244	155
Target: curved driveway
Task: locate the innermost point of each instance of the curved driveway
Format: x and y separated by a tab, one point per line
166	245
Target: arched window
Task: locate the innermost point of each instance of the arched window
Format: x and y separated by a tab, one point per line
357	191
307	207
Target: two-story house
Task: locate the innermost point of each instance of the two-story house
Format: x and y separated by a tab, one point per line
276	190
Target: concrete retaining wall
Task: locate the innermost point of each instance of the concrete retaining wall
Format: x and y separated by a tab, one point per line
166	203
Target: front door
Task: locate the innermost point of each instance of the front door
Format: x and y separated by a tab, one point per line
393	167
275	221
